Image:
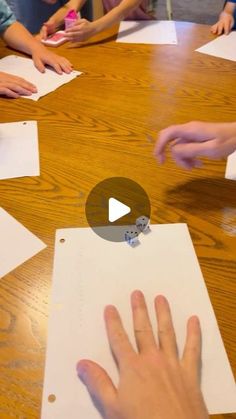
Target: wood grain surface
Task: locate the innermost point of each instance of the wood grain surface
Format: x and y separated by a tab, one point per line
103	124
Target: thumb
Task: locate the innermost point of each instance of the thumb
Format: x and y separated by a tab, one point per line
44	32
47	29
99	385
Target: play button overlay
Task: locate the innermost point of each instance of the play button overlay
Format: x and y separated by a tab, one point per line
117	210
113	206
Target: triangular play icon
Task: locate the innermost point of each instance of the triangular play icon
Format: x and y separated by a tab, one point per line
116	209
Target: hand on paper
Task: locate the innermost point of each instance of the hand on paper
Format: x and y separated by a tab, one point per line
14	87
81	31
17	37
188	142
154	382
224	24
42	57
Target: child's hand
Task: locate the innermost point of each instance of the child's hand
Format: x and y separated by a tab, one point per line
14	87
42	57
154	382
81	31
190	141
224	25
47	29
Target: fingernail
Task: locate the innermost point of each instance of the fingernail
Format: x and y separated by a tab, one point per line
161	299
81	369
137	295
195	319
110	309
137	299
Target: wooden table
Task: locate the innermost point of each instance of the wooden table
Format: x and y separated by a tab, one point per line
105	124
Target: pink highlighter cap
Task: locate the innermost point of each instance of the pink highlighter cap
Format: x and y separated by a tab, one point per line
71	18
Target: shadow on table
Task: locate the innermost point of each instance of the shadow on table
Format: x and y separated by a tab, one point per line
204	194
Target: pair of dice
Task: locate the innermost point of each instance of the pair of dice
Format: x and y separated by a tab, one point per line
141	226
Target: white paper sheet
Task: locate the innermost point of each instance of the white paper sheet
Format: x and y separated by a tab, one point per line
147	32
45	82
223	47
19	154
230	171
89	273
17	244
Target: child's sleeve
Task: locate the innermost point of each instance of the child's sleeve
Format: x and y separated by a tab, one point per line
6	16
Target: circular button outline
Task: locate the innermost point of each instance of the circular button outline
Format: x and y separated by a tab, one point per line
124	190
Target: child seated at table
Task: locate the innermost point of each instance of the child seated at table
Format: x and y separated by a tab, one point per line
115	11
227	19
16	36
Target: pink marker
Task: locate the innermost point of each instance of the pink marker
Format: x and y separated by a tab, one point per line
71	18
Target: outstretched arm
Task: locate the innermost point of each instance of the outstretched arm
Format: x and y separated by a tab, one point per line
84	29
188	142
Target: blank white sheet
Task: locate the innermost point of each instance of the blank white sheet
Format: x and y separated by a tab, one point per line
147	32
45	82
230	172
19	153
223	47
17	244
89	273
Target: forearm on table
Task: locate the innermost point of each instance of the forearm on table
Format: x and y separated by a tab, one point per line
117	14
18	37
58	17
